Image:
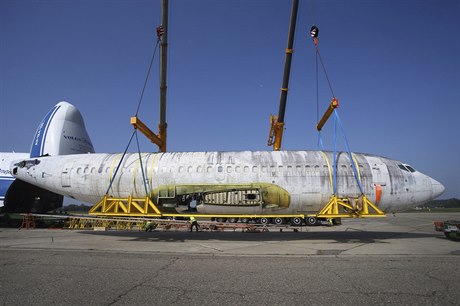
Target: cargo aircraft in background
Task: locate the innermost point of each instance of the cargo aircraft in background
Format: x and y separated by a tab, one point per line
246	182
61	132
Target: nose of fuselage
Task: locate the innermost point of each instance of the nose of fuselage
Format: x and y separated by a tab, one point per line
437	188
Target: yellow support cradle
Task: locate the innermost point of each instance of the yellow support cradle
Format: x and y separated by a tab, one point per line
360	207
109	206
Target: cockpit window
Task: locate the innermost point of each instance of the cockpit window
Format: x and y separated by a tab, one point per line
402	167
406	168
410	168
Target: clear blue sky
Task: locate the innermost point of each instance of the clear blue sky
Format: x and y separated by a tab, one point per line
394	65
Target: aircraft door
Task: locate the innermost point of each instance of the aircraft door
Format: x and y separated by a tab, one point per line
380	176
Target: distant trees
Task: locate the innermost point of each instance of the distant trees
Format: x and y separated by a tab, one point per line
450	203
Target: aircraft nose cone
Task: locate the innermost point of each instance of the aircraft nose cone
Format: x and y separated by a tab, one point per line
437	187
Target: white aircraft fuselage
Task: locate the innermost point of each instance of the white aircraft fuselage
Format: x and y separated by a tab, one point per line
258	182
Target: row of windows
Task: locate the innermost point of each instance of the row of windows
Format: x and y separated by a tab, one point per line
289	170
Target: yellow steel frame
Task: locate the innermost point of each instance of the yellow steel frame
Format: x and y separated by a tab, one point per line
363	208
130	206
144	207
159	140
90	223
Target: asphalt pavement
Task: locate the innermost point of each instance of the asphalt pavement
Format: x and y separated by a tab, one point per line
394	260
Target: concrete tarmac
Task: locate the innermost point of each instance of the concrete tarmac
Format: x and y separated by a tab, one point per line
394	260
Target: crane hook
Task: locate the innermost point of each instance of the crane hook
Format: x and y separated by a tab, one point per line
314	31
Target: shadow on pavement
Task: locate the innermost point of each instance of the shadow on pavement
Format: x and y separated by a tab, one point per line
351	236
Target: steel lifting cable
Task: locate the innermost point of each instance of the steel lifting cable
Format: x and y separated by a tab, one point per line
121	160
148	74
119	163
314	31
160	32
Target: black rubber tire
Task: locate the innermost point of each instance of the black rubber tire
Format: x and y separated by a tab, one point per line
264	221
278	221
296	221
311	221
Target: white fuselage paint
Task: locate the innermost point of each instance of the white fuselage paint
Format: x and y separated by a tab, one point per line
306	175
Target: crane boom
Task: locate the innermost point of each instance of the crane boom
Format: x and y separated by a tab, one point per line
160	138
277	122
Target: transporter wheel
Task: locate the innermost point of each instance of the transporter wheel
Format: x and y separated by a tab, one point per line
244	220
278	220
221	220
296	221
311	221
233	220
264	221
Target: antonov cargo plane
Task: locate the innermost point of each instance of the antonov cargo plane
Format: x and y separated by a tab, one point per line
61	132
248	182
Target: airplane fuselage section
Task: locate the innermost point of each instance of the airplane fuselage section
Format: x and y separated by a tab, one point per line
232	182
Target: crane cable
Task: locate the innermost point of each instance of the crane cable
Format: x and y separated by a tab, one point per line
314	31
160	32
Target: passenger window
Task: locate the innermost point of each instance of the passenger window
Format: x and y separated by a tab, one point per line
229	169
246	169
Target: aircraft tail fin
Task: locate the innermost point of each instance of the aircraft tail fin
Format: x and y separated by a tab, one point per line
61	132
